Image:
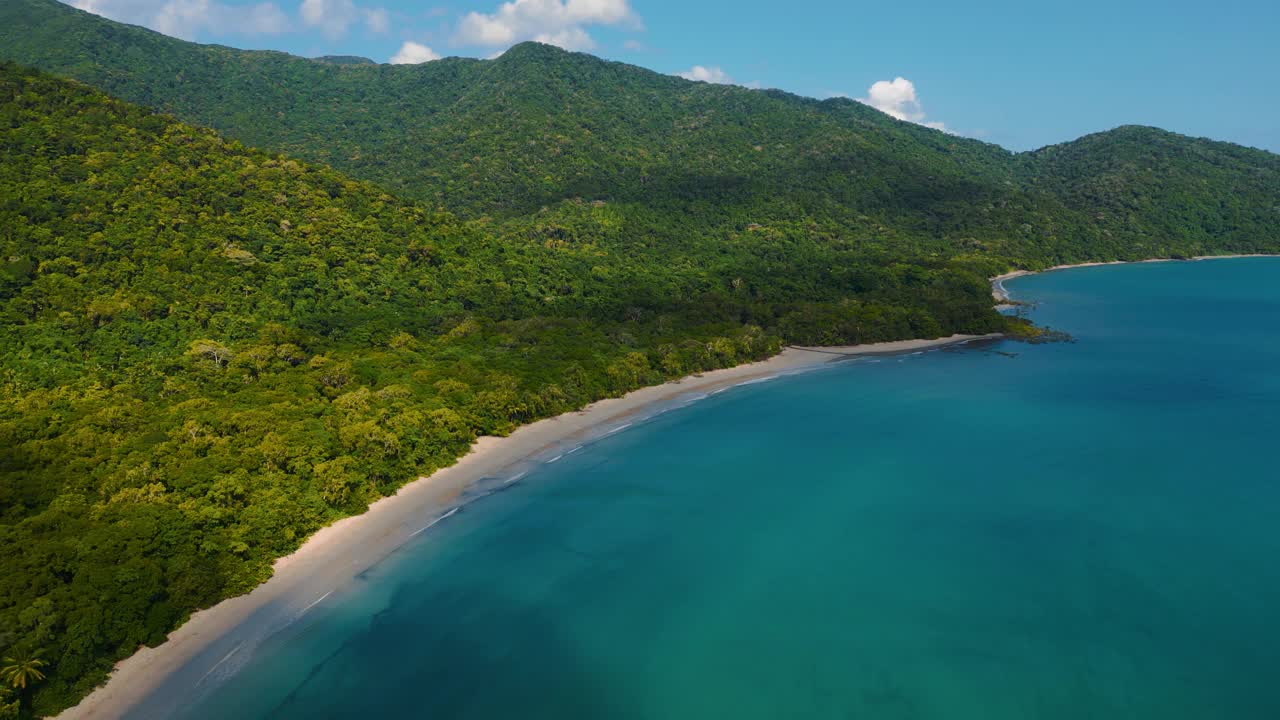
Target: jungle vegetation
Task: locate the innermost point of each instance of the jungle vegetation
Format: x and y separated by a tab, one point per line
215	341
208	352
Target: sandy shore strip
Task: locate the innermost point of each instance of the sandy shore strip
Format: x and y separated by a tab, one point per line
1002	295
333	556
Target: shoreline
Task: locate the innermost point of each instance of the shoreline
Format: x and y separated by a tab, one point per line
1001	295
331	557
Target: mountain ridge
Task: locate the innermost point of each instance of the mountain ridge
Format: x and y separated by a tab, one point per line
522	51
520	138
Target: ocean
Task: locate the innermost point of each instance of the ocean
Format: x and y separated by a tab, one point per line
1001	531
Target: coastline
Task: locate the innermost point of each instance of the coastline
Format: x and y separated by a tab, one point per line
329	559
1001	295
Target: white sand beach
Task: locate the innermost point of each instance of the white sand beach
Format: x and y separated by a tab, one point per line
331	557
334	555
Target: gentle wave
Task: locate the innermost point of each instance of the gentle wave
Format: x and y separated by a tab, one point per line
618	429
1002	291
432	524
757	381
218	664
315	602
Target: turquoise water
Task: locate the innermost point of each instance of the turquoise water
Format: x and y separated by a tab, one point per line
1085	530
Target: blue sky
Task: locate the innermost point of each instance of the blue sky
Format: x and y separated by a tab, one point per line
1022	74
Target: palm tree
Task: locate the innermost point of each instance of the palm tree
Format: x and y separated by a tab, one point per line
22	671
8	704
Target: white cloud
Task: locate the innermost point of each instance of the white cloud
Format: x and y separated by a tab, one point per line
268	18
91	6
706	74
897	98
181	18
412	53
335	17
556	22
570	38
714	75
187	18
378	20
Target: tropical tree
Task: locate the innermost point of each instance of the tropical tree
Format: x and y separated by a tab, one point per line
212	350
8	704
21	671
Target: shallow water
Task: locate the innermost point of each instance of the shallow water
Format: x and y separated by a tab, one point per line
1085	530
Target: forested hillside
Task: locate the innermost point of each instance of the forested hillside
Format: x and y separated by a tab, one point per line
208	352
528	133
1143	186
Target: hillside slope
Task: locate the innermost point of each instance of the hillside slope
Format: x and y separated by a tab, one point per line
207	352
524	134
1143	186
